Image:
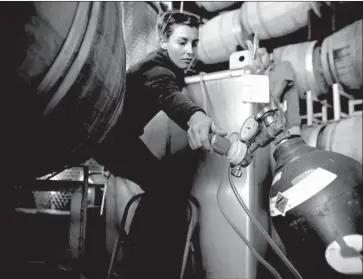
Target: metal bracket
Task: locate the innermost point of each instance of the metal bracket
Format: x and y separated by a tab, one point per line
322	117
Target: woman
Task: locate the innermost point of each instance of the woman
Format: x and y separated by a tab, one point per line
157	234
152	85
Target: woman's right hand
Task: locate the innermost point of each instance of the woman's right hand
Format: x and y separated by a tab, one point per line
200	127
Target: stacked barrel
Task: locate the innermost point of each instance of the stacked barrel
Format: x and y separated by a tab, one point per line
337	60
232	28
341	56
317	66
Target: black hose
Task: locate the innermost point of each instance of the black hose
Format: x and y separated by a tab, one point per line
245	240
264	233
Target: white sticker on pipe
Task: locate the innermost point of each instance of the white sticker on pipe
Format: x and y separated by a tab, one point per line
301	191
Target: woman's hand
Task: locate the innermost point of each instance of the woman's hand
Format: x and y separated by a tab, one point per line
200	127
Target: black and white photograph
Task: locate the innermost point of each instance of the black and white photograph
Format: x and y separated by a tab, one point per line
181	139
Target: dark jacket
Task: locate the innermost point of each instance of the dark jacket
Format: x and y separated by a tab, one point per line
152	85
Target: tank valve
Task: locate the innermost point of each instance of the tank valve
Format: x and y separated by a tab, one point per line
257	131
234	150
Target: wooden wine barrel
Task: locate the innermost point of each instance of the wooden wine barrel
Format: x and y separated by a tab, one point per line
305	59
220	37
275	19
344	137
214	6
341	56
63	82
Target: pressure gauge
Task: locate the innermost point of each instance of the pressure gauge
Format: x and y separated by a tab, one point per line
249	129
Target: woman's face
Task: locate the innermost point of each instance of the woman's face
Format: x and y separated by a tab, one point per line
181	45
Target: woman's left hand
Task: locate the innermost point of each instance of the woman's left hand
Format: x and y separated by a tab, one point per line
200	128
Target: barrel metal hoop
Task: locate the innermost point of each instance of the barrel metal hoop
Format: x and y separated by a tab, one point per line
309	67
329	143
358	49
313	139
121	10
114	117
70	46
331	59
325	62
319	136
79	61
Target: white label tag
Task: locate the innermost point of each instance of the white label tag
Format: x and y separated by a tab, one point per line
281	203
255	88
301	191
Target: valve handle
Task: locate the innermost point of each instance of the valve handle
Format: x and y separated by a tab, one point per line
220	144
231	147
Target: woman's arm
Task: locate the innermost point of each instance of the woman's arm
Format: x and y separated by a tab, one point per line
162	85
164	88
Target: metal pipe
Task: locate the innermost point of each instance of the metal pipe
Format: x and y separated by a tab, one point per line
324	112
83	220
214	76
104	197
309	108
317	114
336	102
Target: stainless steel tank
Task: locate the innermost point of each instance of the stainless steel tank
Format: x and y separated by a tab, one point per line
225	255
